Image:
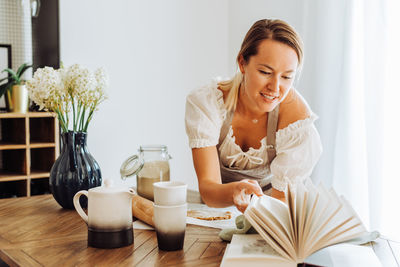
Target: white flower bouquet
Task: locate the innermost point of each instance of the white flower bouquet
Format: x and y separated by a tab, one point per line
74	91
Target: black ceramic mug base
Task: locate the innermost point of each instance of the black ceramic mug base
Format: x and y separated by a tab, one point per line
118	239
170	242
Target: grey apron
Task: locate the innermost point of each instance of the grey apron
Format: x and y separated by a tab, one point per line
261	174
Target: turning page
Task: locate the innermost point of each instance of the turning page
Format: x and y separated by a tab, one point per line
277	213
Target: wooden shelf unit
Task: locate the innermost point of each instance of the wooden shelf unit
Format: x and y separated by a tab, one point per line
29	145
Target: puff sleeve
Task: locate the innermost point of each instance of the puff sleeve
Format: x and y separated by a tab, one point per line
298	148
204	116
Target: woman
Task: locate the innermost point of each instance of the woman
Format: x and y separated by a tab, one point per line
255	130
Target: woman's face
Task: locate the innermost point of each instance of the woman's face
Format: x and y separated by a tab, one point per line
267	76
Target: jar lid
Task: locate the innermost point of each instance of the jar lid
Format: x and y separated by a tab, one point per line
131	166
162	148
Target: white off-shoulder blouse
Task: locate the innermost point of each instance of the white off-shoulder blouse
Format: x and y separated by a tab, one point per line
298	146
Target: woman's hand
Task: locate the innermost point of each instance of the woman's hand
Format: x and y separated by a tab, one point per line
242	193
278	195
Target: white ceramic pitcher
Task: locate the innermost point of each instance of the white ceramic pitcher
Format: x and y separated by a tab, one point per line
109	217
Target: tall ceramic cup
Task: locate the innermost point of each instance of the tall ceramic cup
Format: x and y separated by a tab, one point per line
170	224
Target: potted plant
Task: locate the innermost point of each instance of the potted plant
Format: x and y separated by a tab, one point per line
14	89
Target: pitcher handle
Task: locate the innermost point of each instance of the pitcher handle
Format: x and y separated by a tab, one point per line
77	205
131	166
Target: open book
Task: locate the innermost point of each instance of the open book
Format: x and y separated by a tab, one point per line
312	219
253	250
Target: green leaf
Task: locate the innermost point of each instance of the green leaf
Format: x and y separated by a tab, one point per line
22	69
6	78
3	89
13	75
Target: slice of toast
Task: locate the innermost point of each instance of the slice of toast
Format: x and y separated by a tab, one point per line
209	215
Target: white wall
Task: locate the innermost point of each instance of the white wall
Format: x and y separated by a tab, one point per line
155	53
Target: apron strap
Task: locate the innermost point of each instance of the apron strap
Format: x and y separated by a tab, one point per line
225	127
271	133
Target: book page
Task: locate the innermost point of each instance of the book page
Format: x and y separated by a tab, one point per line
313	198
301	207
292	211
325	210
278	213
275	232
352	229
252	245
254	251
325	223
353	232
252	218
342	225
348	206
345	218
341	231
345	255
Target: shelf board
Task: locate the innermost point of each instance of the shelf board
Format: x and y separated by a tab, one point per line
11	115
9	146
35	174
41	114
12	176
41	145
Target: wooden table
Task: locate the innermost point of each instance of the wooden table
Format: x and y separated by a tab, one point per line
36	231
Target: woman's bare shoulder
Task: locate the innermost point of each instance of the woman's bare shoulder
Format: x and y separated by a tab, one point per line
292	109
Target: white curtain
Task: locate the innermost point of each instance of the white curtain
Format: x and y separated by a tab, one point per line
389	219
356	92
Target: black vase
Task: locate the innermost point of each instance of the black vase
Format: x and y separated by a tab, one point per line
74	170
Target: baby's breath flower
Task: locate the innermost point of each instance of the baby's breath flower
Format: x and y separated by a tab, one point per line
46	88
63	90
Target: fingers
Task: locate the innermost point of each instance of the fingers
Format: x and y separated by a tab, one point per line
258	189
242	208
252	187
243	191
241	200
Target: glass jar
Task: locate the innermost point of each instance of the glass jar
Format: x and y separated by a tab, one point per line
150	166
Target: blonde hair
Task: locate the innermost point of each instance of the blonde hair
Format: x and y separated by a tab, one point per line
277	30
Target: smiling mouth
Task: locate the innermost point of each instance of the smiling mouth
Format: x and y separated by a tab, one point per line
270	97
